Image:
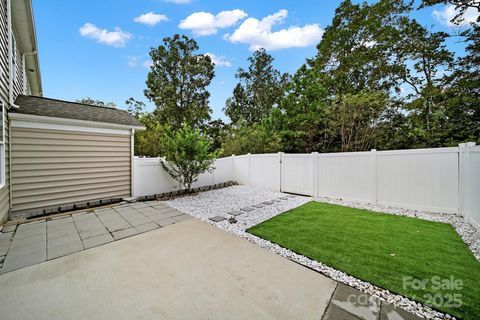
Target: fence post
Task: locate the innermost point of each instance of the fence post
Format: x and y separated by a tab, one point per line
464	176
374	182
315	173
233	177
280	159
461	178
249	168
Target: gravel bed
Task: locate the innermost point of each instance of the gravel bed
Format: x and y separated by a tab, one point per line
221	201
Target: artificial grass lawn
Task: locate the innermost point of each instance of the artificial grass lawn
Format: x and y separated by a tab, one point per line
382	249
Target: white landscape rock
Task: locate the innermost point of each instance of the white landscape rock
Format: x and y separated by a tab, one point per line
219	202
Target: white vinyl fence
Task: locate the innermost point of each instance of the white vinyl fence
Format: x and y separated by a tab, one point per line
439	179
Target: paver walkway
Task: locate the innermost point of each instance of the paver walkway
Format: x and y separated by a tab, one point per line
35	242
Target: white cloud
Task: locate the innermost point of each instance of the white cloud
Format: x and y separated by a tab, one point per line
449	12
132	61
180	1
220	61
204	23
116	38
258	33
151	18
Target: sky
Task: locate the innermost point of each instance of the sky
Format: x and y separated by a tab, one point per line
99	48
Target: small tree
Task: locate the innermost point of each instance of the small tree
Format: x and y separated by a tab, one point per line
186	154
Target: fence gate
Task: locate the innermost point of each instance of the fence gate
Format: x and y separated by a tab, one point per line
298	172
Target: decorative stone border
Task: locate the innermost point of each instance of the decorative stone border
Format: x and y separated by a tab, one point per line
176	193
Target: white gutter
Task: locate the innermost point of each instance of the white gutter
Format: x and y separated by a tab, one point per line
25	80
67	121
10	55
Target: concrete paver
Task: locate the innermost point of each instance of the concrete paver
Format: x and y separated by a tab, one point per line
5	241
390	312
13	262
336	313
64	249
147	227
117	235
60	236
355	302
98	240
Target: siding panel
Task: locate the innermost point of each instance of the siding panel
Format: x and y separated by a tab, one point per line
4	191
54	168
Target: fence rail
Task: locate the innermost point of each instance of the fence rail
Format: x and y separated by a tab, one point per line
438	179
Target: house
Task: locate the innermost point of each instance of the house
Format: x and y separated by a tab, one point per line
54	155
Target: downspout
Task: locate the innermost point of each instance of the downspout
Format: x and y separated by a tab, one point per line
10	55
132	163
10	193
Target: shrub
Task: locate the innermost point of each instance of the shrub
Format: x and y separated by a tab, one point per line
186	154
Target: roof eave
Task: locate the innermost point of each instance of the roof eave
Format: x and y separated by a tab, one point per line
24	28
66	121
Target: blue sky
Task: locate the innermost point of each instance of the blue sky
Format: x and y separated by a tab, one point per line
100	48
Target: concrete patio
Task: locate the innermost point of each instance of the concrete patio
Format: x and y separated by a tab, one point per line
187	270
39	241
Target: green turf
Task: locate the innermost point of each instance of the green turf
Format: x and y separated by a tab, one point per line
382	249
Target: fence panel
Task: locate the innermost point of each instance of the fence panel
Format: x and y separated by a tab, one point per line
424	179
349	175
241	169
265	171
438	180
223	171
150	178
297	173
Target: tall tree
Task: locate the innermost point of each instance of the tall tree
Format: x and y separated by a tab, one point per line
177	82
355	51
95	102
354	57
259	89
462	94
422	59
358	118
461	6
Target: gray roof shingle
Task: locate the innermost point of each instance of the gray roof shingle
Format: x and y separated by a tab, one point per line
47	107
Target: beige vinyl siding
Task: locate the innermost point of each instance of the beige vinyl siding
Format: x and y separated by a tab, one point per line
53	168
4	191
3	51
19	87
18	79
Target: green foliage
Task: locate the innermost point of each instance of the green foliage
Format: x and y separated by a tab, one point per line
216	131
379	80
177	82
98	103
462	94
256	138
259	90
186	153
382	249
146	141
358	117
